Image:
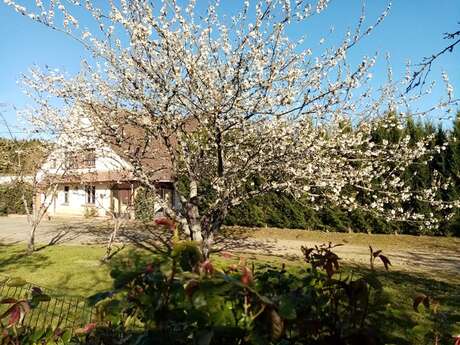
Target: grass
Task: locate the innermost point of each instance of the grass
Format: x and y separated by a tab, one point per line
77	270
393	313
73	270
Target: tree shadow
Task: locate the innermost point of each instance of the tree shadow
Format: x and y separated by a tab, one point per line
152	238
12	256
82	232
240	239
442	263
392	313
127	265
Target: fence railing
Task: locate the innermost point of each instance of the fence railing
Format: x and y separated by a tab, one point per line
61	311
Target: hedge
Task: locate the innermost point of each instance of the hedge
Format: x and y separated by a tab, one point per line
11	198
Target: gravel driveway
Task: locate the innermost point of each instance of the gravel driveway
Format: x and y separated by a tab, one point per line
15	229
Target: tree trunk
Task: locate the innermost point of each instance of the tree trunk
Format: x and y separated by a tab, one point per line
31	243
113	235
206	245
193	214
211	227
32	218
26	207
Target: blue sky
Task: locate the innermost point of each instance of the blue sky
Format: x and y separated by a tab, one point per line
413	29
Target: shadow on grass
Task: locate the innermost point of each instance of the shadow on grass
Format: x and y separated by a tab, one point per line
12	256
82	232
393	313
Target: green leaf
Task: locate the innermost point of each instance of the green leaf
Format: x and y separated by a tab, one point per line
37	335
66	336
205	337
287	308
420	330
41	298
16	282
199	301
99	297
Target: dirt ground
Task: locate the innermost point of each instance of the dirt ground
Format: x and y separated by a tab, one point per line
433	256
436	256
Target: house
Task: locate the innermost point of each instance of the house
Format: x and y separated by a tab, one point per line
95	180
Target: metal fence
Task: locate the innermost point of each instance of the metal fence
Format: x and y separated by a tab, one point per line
61	311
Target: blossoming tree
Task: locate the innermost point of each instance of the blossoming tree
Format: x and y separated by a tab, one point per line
241	108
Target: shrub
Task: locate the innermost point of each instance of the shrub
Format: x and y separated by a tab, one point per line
179	300
144	205
11	198
273	210
90	212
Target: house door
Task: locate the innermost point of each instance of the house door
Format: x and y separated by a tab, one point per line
121	202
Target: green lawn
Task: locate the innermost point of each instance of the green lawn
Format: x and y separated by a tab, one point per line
74	270
77	270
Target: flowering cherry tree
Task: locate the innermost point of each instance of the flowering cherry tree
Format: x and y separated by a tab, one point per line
240	107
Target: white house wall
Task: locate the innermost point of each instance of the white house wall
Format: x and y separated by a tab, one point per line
106	161
77	201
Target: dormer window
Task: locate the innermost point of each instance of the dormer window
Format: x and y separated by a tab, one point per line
89	158
81	159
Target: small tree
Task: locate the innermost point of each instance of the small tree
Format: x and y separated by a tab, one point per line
34	170
238	106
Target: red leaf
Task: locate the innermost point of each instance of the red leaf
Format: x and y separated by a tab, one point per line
233	268
422	298
227	255
191	287
329	269
207	267
87	329
165	222
15	315
36	290
25	306
8	301
457	340
149	268
246	278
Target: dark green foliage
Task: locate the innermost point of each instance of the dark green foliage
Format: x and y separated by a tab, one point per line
273	209
187	255
144	205
11	198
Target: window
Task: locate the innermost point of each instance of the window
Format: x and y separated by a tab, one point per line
80	159
90	192
89	158
166	193
66	194
70	160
